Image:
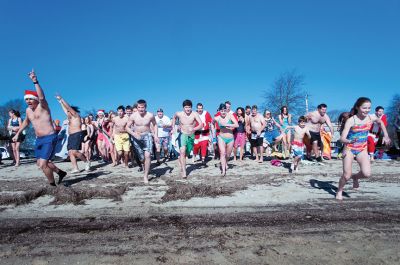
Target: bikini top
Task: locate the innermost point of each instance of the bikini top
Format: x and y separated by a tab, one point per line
222	126
285	120
14	123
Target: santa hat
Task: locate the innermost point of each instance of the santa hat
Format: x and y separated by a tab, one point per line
31	94
100	111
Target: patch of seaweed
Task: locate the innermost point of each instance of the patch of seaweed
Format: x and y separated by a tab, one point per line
187	191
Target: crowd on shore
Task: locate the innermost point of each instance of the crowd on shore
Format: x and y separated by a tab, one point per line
131	135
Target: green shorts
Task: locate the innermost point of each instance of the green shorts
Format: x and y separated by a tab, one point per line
185	140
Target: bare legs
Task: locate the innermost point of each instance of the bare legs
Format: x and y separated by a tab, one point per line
365	171
73	155
147	161
15	148
124	155
182	161
225	153
48	169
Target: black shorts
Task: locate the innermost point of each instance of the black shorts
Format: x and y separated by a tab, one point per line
257	142
316	137
21	137
75	141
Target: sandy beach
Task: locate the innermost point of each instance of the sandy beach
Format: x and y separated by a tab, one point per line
257	214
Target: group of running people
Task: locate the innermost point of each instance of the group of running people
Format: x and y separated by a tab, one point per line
132	131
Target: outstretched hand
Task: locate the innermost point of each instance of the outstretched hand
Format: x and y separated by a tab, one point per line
58	96
386	141
32	75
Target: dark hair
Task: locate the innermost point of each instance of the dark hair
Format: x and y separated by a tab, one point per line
343	117
248	107
302	119
121	107
134	106
228	102
322	105
187	102
379	108
76	109
141	101
243	113
221	106
358	104
254	107
15	112
128	107
284	107
199	104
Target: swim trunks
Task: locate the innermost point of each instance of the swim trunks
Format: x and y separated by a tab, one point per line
316	137
270	136
298	148
240	139
186	140
45	146
75	141
143	144
121	142
256	141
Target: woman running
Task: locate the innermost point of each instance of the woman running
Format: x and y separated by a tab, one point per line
354	137
227	123
240	134
285	120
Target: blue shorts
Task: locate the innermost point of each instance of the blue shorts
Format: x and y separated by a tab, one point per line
271	136
45	146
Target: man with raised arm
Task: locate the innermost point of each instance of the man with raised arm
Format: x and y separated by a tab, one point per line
187	127
142	137
76	135
316	119
38	113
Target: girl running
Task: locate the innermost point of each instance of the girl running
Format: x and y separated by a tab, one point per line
354	137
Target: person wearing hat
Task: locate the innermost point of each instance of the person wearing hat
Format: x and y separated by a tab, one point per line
164	128
38	113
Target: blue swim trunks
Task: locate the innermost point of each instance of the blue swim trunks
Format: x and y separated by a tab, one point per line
271	136
45	146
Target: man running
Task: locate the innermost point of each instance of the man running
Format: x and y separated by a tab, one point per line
142	137
75	137
164	128
38	113
120	136
315	121
187	126
202	137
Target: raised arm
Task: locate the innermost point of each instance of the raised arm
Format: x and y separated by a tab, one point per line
66	107
39	90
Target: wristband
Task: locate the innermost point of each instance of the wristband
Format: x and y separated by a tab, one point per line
36	82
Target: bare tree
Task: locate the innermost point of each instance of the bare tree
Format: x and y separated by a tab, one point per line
392	112
287	90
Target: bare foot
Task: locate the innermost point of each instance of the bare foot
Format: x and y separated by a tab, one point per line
145	180
339	196
184	176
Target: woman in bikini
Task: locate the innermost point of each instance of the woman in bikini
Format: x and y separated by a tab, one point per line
240	134
88	132
13	126
227	123
354	137
285	120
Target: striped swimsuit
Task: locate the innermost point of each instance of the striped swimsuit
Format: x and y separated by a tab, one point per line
360	134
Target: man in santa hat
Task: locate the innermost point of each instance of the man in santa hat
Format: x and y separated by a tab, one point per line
376	131
38	113
202	137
